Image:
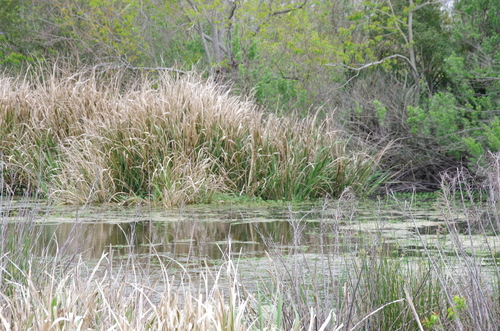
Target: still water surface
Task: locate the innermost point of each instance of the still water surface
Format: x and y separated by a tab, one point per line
205	232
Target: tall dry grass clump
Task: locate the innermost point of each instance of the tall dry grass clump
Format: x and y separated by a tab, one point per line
91	136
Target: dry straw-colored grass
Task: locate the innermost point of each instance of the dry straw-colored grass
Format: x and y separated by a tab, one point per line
93	137
110	296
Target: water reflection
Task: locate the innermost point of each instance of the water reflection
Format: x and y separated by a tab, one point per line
196	233
181	239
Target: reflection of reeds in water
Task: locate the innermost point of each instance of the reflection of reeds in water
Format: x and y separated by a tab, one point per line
187	238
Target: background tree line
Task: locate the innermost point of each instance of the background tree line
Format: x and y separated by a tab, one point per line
425	74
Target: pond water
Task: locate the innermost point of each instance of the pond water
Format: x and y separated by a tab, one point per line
314	253
204	232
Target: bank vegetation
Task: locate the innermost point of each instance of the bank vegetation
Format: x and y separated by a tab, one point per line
109	136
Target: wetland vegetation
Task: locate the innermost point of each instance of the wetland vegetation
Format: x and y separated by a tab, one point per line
84	137
329	264
96	141
238	165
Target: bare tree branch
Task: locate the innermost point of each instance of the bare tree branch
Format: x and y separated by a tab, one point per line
425	4
364	66
158	69
222	47
284	11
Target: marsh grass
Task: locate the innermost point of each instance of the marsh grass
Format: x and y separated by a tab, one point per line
98	136
356	280
366	281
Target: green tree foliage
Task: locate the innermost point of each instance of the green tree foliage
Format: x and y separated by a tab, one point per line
284	54
100	29
468	107
475	67
276	50
407	37
412	70
13	46
169	37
